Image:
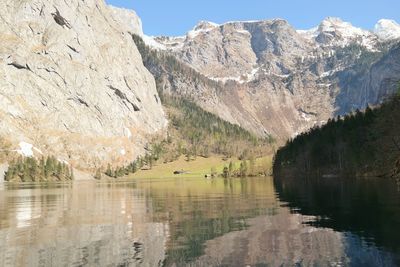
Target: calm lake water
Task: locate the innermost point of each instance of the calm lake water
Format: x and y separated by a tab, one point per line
197	222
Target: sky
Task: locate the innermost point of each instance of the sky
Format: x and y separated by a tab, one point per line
176	17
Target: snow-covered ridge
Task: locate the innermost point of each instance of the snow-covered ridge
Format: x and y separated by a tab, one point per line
336	32
384	29
387	29
330	32
346	29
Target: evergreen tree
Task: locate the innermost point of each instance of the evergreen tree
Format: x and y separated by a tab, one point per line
243	168
109	171
97	175
225	172
71	173
231	168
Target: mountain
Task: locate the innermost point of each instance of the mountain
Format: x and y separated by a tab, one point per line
387	29
73	84
196	129
274	79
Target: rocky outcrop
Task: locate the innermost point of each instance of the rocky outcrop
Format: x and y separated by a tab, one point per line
73	83
368	83
282	81
128	19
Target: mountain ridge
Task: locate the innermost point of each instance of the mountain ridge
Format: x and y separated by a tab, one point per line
270	70
381	25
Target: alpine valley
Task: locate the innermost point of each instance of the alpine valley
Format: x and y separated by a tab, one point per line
82	82
247	143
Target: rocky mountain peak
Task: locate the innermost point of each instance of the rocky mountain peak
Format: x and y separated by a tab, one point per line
387	29
338	26
334	31
205	25
201	28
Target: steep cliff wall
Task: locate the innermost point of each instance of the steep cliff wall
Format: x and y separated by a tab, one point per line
73	83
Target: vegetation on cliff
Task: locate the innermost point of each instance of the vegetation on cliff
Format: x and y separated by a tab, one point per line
360	144
5	149
29	169
160	62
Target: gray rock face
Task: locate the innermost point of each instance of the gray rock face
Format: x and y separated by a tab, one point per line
362	86
73	83
282	81
128	19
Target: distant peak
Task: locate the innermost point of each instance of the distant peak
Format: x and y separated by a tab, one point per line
202	27
205	25
335	24
330	24
332	20
341	28
388	22
387	29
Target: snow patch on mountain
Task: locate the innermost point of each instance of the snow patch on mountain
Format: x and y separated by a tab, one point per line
336	32
387	29
309	34
201	28
331	32
25	149
150	41
245	78
346	29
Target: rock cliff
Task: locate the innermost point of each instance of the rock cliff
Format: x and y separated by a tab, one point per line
73	83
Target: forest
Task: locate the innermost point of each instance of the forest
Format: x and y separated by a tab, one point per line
29	169
360	144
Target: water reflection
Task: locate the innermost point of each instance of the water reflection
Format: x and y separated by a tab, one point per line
174	222
79	224
366	211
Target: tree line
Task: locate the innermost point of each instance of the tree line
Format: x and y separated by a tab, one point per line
359	144
29	169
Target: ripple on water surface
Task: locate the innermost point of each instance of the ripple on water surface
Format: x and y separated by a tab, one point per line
177	222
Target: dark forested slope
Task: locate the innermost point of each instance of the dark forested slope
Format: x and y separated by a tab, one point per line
361	144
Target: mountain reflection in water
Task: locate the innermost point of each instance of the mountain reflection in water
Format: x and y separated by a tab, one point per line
173	222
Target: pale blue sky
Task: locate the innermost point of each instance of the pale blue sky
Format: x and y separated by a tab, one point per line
176	17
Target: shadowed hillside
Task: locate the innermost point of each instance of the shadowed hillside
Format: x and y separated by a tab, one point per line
361	144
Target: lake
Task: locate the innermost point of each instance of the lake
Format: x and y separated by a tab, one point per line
199	222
